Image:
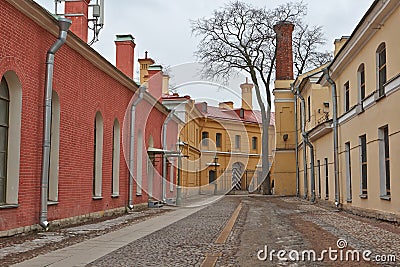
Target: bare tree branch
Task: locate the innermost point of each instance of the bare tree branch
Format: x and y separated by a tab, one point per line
240	36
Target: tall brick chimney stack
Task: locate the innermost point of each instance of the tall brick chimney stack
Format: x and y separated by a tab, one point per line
247	95
284	50
125	46
155	81
79	25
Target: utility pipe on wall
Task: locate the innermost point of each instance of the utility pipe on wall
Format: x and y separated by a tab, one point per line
335	136
306	142
164	141
296	139
63	25
142	89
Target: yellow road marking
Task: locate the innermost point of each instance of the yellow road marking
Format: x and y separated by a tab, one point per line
229	226
211	259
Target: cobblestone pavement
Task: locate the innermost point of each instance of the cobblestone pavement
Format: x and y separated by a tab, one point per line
26	246
279	223
264	224
184	243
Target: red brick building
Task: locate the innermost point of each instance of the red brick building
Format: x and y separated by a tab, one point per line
90	123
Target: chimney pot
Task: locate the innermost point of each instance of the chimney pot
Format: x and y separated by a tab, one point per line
125	48
145	63
79	25
247	95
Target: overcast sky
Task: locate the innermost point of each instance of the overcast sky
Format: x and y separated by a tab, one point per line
163	27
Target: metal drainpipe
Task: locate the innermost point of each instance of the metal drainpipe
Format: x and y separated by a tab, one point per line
164	141
296	140
303	123
142	89
307	142
63	25
335	136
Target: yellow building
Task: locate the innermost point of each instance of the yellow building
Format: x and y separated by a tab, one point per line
347	124
223	144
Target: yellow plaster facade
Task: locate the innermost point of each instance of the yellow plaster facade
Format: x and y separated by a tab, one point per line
366	73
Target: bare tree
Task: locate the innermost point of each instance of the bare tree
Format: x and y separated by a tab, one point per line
241	37
306	41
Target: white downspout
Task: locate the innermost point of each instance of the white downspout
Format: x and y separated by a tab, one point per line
142	89
335	136
306	142
164	143
296	140
63	25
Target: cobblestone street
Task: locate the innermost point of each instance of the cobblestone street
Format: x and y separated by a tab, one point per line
238	230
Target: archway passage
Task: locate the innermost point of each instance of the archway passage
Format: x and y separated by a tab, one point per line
237	173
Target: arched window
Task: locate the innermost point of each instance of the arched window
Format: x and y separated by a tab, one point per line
98	155
4	125
55	146
10	136
361	83
381	67
116	158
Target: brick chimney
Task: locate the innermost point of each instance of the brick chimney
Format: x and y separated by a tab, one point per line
155	81
247	95
284	51
125	47
79	25
165	85
339	43
226	105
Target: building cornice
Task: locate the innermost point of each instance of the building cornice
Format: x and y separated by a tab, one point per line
371	23
49	22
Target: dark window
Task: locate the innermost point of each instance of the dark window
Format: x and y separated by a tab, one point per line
348	172
254	143
218	140
381	58
319	178
204	138
4	124
309	107
237	141
241	113
211	176
326	179
361	77
387	158
346	96
364	184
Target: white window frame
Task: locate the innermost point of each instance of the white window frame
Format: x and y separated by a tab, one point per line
349	190
54	148
98	156
384	194
14	138
116	151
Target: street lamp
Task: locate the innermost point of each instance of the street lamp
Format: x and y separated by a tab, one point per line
179	146
215	173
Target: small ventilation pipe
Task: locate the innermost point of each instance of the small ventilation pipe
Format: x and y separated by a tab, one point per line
142	89
63	25
164	141
296	139
335	136
306	142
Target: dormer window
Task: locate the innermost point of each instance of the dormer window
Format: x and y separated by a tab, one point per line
241	113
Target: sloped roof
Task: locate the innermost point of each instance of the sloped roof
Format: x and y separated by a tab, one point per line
250	116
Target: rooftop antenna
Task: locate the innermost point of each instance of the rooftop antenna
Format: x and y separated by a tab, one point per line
96	16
